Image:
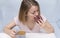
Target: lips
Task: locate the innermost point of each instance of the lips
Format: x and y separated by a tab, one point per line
38	18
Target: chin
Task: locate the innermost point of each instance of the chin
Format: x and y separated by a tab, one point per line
34	20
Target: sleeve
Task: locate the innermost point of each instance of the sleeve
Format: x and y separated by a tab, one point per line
16	20
44	19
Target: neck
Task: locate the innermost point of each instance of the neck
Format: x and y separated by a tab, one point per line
30	23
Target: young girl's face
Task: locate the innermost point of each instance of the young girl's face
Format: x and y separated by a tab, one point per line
33	12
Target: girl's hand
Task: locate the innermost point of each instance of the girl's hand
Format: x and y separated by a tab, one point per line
12	33
41	23
46	25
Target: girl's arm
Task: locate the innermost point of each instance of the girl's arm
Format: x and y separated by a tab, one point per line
47	27
8	29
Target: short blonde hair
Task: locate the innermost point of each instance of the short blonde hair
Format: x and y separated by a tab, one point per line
25	6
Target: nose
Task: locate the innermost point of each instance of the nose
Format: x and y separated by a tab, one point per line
36	13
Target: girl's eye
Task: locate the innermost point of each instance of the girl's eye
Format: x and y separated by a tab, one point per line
32	13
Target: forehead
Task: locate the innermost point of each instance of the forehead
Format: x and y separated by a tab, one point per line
33	8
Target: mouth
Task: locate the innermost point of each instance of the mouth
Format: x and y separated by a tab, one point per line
37	18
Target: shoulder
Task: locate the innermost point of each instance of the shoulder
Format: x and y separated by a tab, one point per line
16	20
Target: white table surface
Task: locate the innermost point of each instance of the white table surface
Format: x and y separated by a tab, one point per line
31	35
40	35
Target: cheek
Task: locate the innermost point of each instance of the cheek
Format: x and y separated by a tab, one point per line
31	16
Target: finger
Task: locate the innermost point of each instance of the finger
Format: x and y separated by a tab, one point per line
12	35
13	32
37	21
41	18
41	21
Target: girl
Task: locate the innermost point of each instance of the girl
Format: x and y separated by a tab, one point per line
28	19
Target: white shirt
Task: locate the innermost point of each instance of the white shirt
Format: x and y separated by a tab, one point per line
36	28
